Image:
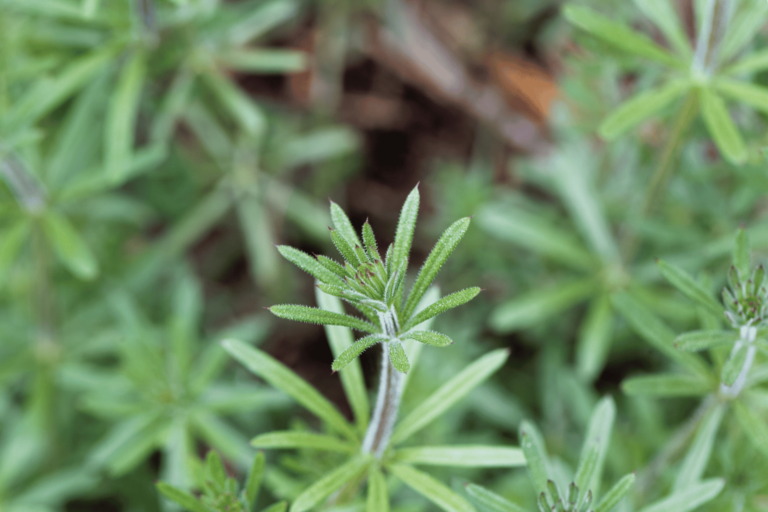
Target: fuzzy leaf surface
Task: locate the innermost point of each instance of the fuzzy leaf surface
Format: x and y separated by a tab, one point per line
448	302
311	315
435	261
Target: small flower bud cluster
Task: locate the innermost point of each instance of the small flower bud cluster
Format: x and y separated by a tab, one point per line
368	279
746	302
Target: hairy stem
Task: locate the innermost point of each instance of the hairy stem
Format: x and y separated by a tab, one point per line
748	335
390	391
717	15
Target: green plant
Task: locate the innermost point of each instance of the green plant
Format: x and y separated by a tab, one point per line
170	390
583	492
220	492
704	74
375	286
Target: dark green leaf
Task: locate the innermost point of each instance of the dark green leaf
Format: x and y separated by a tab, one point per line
321	317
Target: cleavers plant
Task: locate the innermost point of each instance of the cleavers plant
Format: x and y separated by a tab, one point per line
375	286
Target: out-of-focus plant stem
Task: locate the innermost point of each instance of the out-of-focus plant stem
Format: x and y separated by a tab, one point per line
664	169
717	16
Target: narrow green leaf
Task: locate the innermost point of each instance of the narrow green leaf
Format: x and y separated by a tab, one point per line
456	456
340	339
257	21
599	432
666	385
698	454
223	437
290	439
448	302
398	357
741	253
347	251
277	507
640	107
618	35
439	255
755	427
370	242
255	476
309	265
649	327
746	23
681	280
344	226
663	15
616	493
324	487
688	499
214	469
448	394
48	94
264	61
378	496
535	234
287	381
354	350
585	472
121	116
429	338
753	62
175	101
405	227
259	239
721	127
535	307
10	245
535	454
240	106
695	341
321	317
184	499
576	186
594	338
430	488
743	92
69	246
490	500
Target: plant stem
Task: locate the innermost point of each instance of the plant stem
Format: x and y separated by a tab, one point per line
664	170
747	337
716	18
390	391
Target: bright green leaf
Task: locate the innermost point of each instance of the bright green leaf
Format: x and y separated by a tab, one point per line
324	487
618	35
448	302
681	280
284	379
430	488
721	127
290	439
641	107
321	317
448	394
666	385
696	459
535	454
490	500
471	456
439	255
429	338
616	493
70	247
378	498
689	498
695	341
121	117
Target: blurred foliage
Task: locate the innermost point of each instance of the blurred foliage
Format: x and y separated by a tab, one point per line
154	152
